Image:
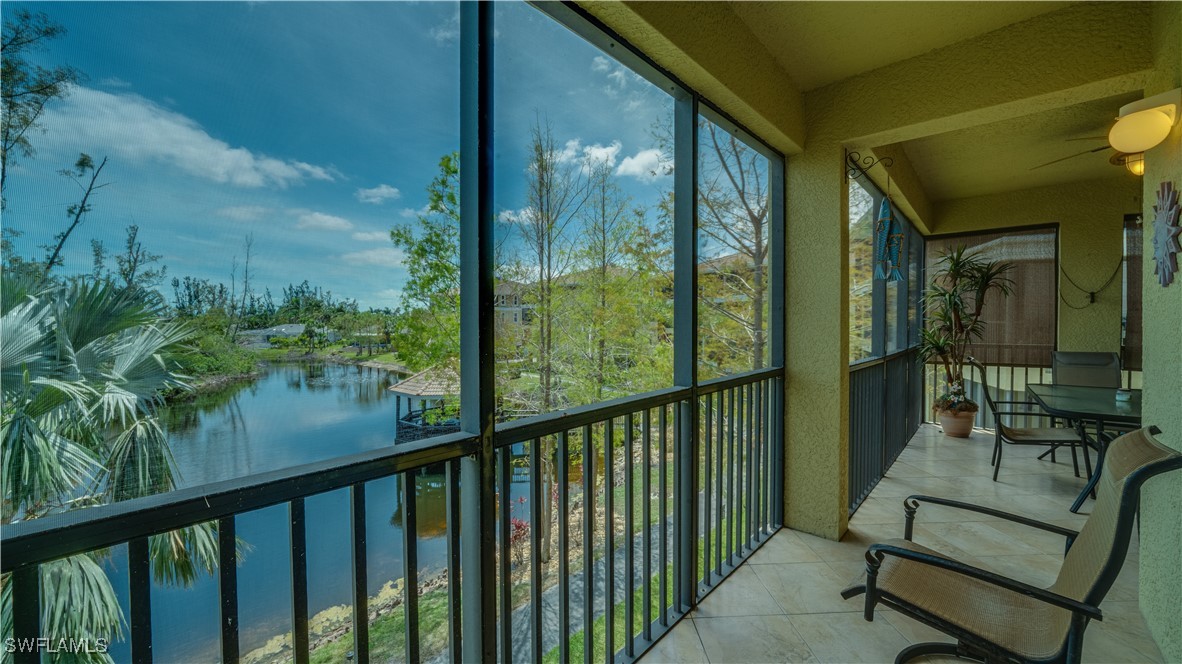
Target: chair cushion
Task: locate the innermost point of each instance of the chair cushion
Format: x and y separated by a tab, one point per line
1023	625
1045	435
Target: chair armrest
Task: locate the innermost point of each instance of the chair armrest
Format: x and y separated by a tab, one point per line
911	504
876	552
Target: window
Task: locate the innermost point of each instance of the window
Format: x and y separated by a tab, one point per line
733	252
1019	329
584	184
312	247
1130	339
884	315
862	211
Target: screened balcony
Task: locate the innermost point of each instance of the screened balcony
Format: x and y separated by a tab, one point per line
685	387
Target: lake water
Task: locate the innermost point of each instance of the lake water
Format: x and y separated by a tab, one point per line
293	414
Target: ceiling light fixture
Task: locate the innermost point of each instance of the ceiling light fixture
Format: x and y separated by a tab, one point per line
1134	162
1143	124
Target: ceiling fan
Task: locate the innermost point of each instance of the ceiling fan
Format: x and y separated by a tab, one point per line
1139	126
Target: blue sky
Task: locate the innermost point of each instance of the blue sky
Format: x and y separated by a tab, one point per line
316	126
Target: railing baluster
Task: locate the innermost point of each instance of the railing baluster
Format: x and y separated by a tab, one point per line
646	565
609	539
299	581
410	565
718	446
708	472
629	562
663	514
139	582
536	477
228	588
454	622
505	573
588	546
563	547
26	612
730	480
360	575
748	451
757	466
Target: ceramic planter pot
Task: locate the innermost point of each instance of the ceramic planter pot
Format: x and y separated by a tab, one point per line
956	424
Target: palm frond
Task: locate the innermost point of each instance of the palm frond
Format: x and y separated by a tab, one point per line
79	602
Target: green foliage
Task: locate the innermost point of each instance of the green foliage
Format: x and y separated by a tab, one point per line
213	354
428	331
955	300
82	368
26	88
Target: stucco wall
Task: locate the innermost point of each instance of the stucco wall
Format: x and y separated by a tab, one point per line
1161	505
1090	217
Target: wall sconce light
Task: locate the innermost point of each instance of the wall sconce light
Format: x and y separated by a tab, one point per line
1143	124
1134	162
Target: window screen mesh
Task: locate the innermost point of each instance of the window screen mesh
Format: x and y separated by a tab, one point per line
1019	329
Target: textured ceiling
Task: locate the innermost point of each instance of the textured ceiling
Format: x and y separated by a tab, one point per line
819	43
999	157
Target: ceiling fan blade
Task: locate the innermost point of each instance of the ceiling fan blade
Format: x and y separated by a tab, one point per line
1071	156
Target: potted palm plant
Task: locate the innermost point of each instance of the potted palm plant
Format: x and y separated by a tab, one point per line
955	300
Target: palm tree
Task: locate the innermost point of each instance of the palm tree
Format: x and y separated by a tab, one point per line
83	369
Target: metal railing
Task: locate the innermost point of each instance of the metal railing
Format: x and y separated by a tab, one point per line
1006	383
885	396
620	497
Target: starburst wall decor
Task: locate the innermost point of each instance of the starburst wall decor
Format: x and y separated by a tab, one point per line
1165	234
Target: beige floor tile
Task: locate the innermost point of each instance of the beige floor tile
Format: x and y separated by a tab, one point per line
785	547
1122	633
742	594
847	637
1046	542
752	639
1039	570
805	587
879	510
853	545
913	630
681	644
977	538
901	468
901	487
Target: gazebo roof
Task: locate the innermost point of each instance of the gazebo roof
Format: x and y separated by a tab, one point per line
437	381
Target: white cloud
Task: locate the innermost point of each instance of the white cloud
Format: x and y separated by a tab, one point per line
411	213
389	294
382	256
447	31
646	165
320	221
114	82
374	236
522	216
600	64
379	194
140	130
243	212
589	155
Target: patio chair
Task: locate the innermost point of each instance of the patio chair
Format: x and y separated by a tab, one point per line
995	618
1051	437
1085	370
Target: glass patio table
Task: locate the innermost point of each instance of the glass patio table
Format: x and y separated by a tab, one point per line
1089	404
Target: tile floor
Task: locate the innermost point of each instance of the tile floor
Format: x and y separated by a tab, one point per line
783	605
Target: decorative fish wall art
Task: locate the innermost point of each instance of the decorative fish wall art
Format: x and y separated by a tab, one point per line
888	243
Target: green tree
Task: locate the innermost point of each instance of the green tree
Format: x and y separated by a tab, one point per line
733	209
83	369
26	89
428	330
